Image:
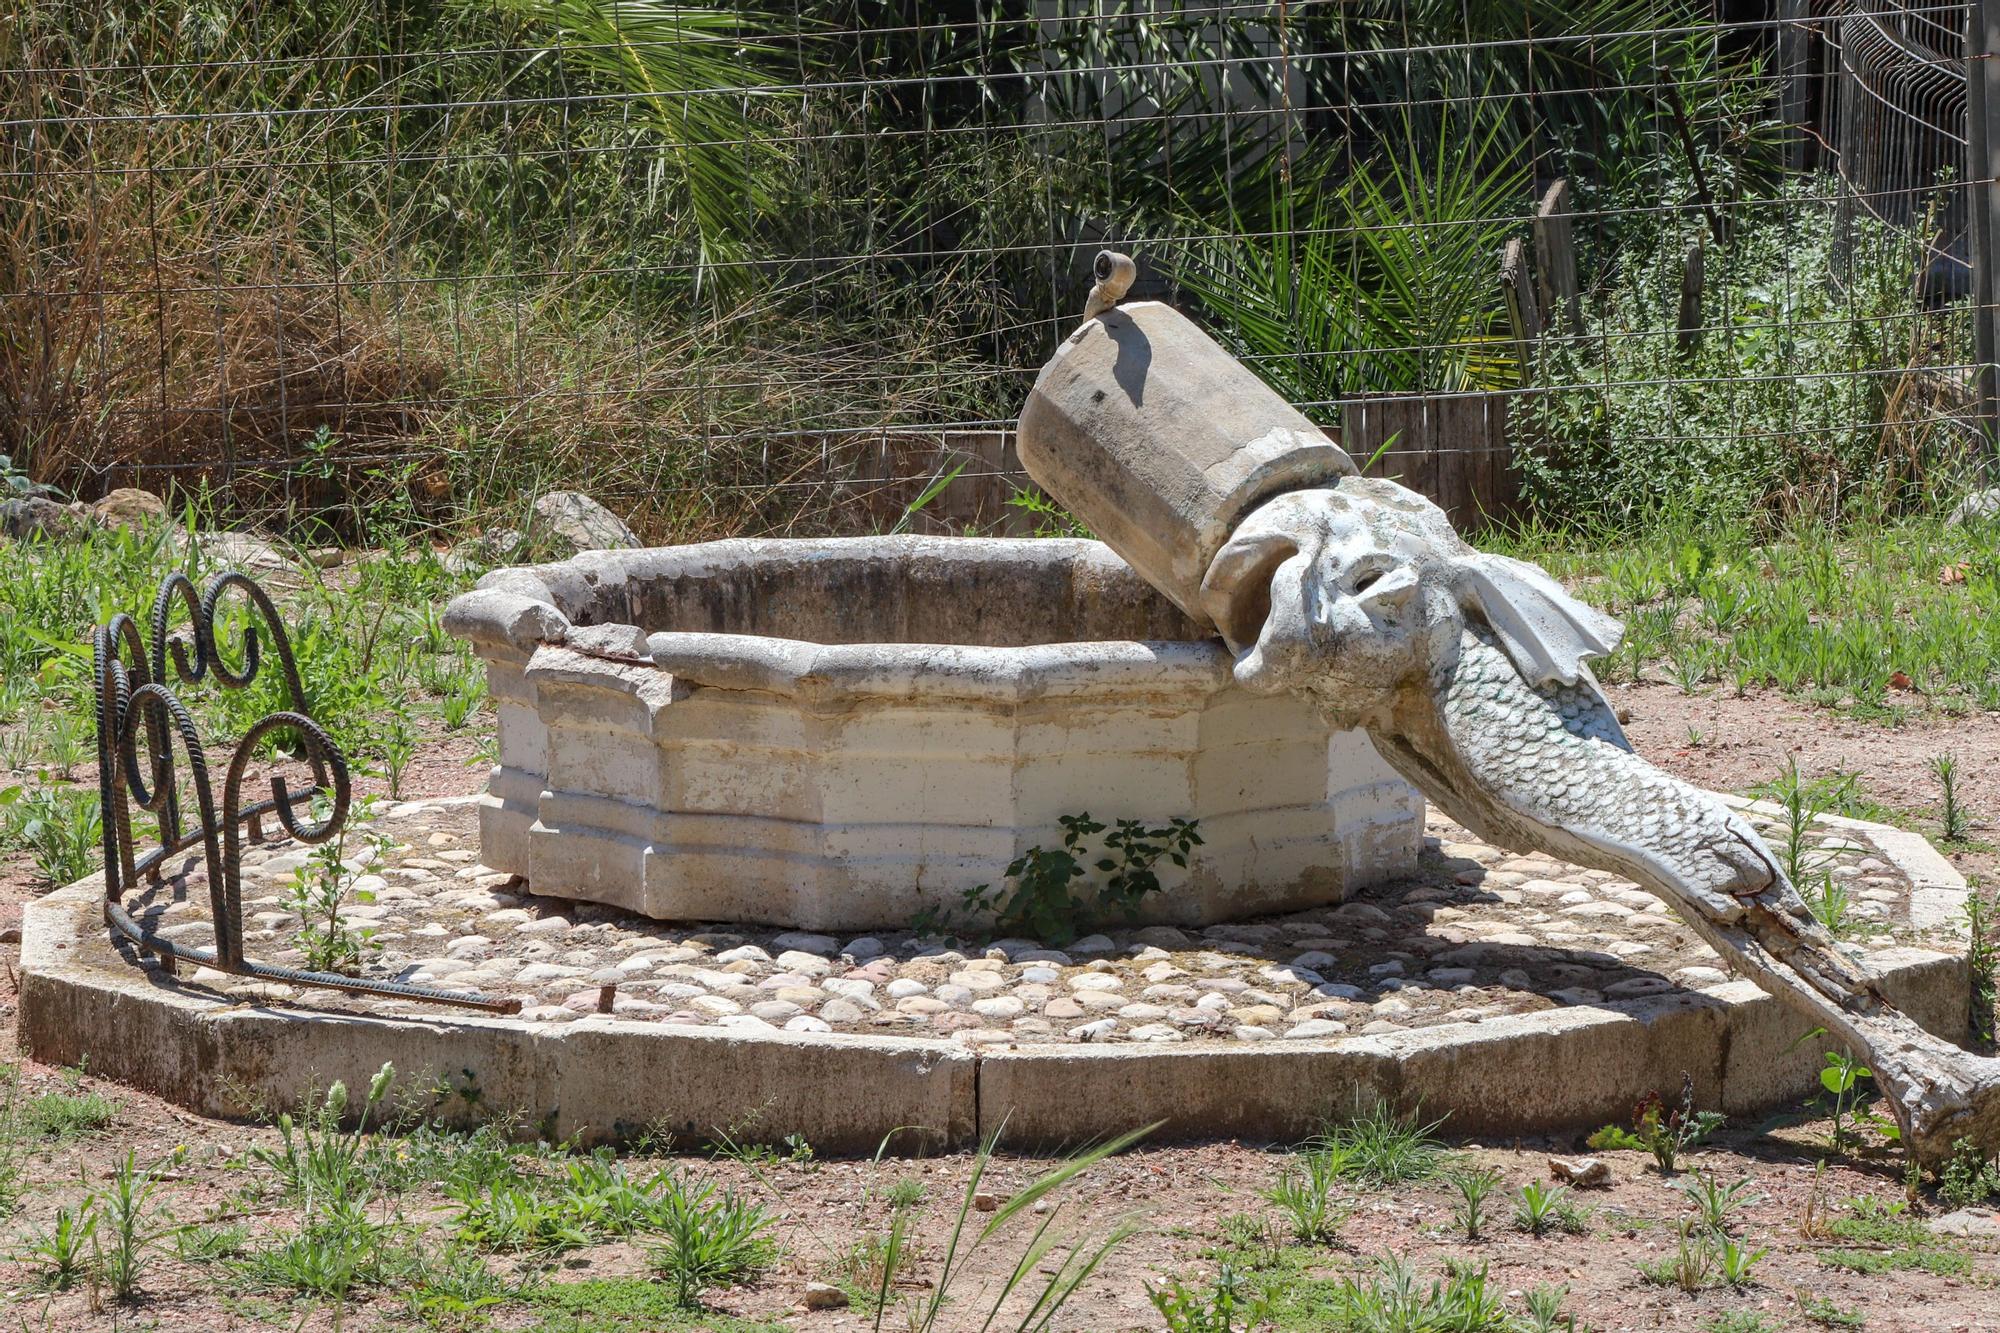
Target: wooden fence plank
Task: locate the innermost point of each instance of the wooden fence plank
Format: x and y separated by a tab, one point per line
1555	259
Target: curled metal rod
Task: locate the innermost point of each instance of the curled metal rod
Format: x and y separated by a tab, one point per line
135	701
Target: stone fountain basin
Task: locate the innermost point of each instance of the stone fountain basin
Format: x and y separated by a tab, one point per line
844	733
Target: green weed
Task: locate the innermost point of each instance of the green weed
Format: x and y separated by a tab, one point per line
707	1239
1392	1299
62	1250
1475	1186
1304	1193
1379	1147
623	1305
1716	1204
1228	1305
1048	902
63	1116
1542	1209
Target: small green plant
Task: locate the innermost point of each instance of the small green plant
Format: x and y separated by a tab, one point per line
1545	1312
319	890
1821	1311
1064	1264
1379	1147
1475	1185
1969	1178
1691	1265
63	1248
451	1288
1982	960
1846	1080
211	1244
906	1192
1393	1299
1802	801
397	745
1888	1239
1663	1133
1544	1208
62	828
1830	901
460	697
708	1240
1305	1194
1740	1321
1715	1203
129	1226
1047	902
1735	1262
1230	1305
1953	824
63	1116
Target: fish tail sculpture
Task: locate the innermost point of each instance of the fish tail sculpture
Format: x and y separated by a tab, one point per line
1469	671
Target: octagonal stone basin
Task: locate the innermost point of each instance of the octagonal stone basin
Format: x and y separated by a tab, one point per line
840	734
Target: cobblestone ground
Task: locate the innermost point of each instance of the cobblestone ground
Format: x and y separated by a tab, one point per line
1478	934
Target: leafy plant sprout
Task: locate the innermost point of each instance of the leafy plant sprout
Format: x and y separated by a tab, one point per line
1954	825
1715	1203
1475	1185
1304	1193
322	887
1047	901
1664	1133
1544	1208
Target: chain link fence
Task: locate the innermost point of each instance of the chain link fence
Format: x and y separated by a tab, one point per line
792	268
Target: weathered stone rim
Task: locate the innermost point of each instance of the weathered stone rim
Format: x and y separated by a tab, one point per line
604	1079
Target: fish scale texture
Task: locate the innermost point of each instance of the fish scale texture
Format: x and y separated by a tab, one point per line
1557	755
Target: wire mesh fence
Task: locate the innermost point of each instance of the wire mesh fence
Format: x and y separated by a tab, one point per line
791	268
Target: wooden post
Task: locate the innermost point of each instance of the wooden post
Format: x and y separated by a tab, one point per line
1693	266
1982	77
1555	259
1794	75
1519	288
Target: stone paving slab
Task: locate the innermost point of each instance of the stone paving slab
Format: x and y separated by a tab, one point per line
1516	992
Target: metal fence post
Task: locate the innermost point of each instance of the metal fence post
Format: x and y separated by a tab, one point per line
1982	172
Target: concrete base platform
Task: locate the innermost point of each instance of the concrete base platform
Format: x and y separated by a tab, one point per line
606	1079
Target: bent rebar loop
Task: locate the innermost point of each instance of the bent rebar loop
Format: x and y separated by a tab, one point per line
135	698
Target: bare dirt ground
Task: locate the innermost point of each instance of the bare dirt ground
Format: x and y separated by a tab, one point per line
1183	1196
1731	744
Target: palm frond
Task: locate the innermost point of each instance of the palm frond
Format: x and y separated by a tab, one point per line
696	74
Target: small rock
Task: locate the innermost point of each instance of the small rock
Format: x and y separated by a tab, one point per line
1091	944
35	516
864	948
495	546
1316	1027
1582	1172
985	1202
1971	1223
805	942
567	518
825	1296
128	507
1096	1031
1975	507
